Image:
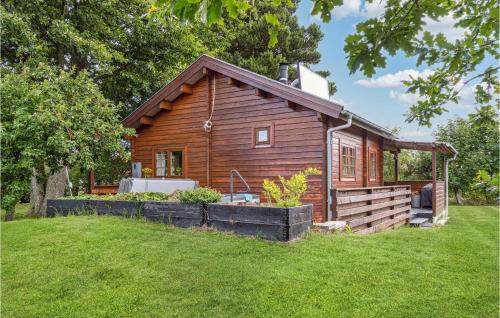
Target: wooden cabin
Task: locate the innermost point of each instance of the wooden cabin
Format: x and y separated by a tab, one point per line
265	128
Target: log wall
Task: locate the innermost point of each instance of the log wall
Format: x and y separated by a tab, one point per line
297	138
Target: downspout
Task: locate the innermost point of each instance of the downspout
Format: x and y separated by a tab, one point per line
329	137
446	179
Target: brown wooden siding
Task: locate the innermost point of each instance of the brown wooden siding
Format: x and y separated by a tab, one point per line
297	141
177	128
363	143
440	198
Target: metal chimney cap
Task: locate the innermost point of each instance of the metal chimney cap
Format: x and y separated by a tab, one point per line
283	76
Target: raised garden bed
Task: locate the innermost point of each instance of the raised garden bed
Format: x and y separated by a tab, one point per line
101	207
282	224
175	213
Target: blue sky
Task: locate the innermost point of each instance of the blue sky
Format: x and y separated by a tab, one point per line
381	99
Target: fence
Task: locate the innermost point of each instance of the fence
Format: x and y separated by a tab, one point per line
369	210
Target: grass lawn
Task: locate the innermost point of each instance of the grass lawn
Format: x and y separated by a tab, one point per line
90	266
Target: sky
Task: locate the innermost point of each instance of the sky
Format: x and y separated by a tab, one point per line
381	99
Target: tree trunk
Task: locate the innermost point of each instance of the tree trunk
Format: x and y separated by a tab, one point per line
41	191
458	197
9	214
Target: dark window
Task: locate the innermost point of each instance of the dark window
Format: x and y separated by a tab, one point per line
176	163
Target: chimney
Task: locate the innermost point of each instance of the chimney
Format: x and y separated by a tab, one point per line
283	73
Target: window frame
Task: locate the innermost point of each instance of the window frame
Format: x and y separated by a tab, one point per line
353	165
372	166
270	135
168	159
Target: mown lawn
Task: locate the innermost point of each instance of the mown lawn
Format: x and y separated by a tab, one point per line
92	266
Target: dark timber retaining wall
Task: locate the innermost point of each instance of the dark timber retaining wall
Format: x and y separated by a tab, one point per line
175	213
121	208
283	224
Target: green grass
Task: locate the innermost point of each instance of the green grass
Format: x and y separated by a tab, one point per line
91	266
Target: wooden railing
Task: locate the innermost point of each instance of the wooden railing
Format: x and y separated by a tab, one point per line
369	210
438	199
416	185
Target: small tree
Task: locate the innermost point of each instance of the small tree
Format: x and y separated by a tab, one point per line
51	120
292	189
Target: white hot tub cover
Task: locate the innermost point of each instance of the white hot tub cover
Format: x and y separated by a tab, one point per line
167	186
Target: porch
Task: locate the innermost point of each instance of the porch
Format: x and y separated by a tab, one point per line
372	209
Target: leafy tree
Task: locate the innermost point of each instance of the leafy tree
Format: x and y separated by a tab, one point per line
243	41
455	64
51	119
413	165
128	55
476	140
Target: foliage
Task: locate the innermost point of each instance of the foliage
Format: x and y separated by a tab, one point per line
130	196
243	40
52	119
291	190
476	140
147	172
199	195
413	165
485	186
113	263
129	56
456	64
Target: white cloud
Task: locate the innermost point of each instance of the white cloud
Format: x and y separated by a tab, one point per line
358	8
394	80
374	9
445	25
341	101
404	98
467	97
348	8
415	133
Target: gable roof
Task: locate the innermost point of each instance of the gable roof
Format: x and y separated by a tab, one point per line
196	71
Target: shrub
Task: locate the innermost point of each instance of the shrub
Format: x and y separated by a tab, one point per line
485	187
292	189
199	195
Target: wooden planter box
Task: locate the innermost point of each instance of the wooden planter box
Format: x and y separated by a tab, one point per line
118	208
65	207
101	207
175	213
282	224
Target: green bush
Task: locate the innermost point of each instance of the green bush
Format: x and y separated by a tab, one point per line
199	195
292	190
